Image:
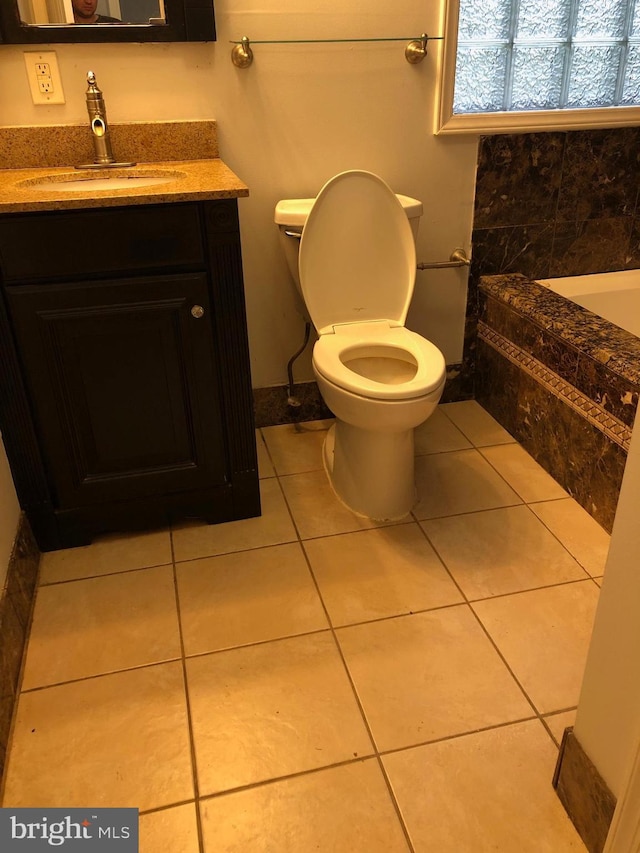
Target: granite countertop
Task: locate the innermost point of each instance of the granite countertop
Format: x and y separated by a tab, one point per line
192	180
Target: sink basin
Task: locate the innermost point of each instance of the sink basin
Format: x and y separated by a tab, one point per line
90	182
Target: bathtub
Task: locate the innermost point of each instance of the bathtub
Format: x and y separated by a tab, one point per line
558	365
615	296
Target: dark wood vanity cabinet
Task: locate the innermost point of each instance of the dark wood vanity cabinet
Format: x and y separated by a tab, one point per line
126	395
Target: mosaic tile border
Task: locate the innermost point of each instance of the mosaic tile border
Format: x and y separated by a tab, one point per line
591	411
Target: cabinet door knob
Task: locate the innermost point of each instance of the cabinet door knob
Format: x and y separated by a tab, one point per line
197	311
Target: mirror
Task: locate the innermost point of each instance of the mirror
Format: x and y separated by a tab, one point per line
54	21
41	12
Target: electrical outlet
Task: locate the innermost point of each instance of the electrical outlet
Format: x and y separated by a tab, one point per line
44	77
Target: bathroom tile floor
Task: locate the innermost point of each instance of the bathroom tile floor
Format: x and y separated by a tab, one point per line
312	680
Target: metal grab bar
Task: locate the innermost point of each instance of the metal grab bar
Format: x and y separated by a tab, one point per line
458	258
415	51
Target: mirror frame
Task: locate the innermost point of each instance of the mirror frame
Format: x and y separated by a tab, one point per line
187	20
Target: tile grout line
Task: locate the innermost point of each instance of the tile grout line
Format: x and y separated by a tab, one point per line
394	802
469	603
351	761
543	500
526	503
466	599
283	638
360	706
192	744
555	536
486	632
47	584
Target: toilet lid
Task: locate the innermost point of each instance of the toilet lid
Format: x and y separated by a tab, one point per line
357	257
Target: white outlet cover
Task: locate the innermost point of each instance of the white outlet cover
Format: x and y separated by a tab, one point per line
36	57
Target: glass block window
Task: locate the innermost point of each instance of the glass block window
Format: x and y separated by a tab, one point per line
528	55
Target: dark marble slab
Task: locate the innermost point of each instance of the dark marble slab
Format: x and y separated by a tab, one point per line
456	385
632	261
596	245
22	576
13	635
468	368
16	608
583	793
600	497
614	393
524	249
518	179
6	717
272	407
497	387
600	174
542	344
602	341
576	453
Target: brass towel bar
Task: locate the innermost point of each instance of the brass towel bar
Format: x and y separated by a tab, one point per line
414	52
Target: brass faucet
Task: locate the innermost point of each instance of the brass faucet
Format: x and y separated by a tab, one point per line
99	128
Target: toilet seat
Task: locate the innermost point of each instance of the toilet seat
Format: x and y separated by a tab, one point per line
379	340
357	259
357	266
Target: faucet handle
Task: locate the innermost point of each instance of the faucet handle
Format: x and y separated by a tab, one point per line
93	85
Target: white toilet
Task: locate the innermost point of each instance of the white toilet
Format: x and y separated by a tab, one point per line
357	268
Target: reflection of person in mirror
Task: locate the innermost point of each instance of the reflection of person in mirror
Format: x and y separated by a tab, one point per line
84	12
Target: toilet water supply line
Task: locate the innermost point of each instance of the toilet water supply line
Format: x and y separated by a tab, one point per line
458	258
292	400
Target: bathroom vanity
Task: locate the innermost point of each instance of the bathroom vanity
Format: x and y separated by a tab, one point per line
124	380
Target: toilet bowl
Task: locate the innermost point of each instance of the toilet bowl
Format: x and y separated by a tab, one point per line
357	266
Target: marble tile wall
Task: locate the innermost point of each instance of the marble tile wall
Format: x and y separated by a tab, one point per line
553	204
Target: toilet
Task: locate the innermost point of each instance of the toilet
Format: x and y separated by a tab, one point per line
356	272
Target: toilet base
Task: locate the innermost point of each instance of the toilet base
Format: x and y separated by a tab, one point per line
371	472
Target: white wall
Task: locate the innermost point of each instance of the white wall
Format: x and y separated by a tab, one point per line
608	719
9	515
299	115
302	113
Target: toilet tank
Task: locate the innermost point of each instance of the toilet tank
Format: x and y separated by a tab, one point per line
291	215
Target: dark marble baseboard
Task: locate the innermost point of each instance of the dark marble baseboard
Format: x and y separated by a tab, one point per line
583	793
16	606
272	407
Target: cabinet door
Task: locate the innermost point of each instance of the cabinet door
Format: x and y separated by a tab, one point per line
123	385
